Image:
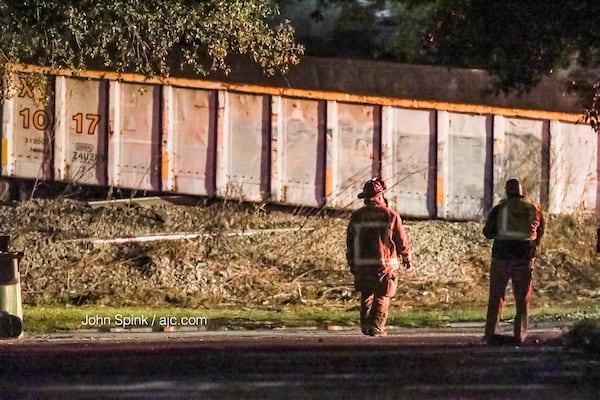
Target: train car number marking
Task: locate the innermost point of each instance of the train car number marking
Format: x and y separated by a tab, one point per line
39	119
93	118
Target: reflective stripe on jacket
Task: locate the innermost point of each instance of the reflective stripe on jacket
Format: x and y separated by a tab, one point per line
517	219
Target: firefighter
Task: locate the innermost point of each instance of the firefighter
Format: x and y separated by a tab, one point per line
376	243
516	225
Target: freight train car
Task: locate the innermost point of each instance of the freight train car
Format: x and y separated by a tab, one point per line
290	146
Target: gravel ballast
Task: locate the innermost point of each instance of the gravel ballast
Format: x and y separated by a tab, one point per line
238	254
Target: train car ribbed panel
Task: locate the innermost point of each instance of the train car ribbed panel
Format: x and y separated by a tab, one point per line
134	136
189	141
408	160
81	135
462	156
573	169
243	148
27	131
351	159
297	152
518	153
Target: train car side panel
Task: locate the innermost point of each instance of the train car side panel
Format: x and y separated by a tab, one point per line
188	141
518	147
573	169
243	149
28	130
80	150
408	160
134	143
296	151
353	142
462	158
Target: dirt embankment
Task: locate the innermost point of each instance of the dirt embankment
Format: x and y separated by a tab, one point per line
247	255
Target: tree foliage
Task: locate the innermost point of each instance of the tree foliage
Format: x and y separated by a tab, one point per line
151	37
520	42
517	41
386	30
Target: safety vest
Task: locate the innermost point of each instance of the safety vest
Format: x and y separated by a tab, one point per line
517	220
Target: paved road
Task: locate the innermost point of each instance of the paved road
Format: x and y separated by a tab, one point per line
292	364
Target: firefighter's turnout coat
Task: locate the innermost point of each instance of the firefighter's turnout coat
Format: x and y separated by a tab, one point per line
376	242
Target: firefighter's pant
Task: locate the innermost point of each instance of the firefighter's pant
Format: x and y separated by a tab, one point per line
375	296
520	273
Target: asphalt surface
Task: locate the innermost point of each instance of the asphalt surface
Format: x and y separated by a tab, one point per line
447	363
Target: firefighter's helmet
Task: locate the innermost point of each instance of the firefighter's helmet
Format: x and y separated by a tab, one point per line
372	188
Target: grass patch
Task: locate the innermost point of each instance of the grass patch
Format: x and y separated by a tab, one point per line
579	312
436	317
49	319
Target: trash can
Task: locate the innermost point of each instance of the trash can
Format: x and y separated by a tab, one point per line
11	309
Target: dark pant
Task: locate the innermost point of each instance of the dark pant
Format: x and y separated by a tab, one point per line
520	273
376	293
